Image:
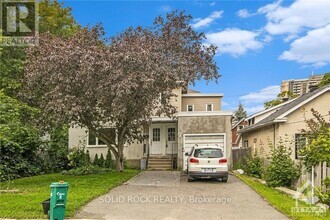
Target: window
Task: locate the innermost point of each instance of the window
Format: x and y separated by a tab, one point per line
246	143
171	134
300	141
190	108
156	134
251	121
209	107
93	140
208	153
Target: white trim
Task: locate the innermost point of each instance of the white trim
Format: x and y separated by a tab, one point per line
269	109
193	108
203	95
162	119
303	103
205	113
211	107
204	134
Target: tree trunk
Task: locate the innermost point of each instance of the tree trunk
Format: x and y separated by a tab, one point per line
120	159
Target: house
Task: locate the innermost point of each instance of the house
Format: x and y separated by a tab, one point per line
199	121
236	137
284	122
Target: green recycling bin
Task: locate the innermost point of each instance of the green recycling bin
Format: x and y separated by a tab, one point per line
58	197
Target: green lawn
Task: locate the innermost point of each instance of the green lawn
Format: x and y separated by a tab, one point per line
279	200
34	190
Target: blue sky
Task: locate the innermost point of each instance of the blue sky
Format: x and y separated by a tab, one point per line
260	43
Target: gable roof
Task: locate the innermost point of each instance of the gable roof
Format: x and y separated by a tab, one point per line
281	113
237	123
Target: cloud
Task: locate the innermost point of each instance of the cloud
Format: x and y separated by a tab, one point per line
261	96
243	13
165	8
223	103
234	41
205	22
212	3
313	49
253	109
296	17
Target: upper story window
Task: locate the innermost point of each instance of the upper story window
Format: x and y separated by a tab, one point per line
93	140
251	121
190	108
209	107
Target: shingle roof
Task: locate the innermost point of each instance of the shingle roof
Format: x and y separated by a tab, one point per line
285	108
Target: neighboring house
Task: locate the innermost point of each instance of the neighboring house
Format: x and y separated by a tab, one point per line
236	137
284	123
199	120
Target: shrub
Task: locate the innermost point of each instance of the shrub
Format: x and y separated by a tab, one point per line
96	160
108	159
255	167
281	171
88	158
324	195
101	161
77	158
55	150
84	170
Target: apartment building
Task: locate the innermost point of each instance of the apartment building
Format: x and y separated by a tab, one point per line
301	86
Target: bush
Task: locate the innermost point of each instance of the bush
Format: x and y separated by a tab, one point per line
96	160
255	167
91	169
101	161
324	195
108	159
20	142
56	150
77	158
281	171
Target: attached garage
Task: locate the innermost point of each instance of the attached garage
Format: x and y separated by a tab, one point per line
211	139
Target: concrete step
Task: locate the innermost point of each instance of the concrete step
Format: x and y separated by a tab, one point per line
160	163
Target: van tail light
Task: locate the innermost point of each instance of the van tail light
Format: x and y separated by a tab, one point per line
193	160
223	160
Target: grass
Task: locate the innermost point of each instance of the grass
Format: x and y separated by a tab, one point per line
33	190
279	200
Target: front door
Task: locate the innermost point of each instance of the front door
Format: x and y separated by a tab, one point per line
171	140
156	142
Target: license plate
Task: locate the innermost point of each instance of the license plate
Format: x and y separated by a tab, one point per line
208	170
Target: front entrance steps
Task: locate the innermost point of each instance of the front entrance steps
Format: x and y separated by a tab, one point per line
160	162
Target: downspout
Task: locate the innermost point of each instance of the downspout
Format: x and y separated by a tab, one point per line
274	139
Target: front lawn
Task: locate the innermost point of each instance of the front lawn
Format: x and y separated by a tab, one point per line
34	190
279	200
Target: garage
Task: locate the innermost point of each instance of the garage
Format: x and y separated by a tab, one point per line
190	140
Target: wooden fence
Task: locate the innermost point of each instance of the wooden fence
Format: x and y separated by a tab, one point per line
239	154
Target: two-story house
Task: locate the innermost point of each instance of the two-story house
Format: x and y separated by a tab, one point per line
199	121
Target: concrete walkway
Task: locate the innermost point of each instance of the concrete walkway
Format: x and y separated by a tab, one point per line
166	195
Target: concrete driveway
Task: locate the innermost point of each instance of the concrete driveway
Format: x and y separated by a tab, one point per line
166	195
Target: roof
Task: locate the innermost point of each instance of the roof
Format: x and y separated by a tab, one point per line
279	115
203	95
237	123
193	91
269	109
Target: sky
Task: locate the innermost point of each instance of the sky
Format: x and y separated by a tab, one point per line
260	43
